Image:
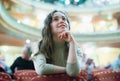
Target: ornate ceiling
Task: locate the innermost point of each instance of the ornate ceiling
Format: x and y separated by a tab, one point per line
12	14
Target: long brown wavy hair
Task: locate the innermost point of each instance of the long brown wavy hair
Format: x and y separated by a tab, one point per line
46	44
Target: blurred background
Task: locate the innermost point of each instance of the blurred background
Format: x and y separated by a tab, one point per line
95	25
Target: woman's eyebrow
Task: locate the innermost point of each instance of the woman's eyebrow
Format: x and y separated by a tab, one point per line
54	16
59	15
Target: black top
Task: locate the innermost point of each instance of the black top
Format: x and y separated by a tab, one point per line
21	64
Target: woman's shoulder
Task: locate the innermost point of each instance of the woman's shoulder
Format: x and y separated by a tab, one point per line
37	55
35	48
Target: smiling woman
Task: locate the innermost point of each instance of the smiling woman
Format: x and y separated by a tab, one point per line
57	51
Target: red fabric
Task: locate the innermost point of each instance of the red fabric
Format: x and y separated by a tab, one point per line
5	77
107	76
55	77
30	75
83	76
24	75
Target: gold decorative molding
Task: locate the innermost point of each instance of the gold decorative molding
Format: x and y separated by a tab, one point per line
29	32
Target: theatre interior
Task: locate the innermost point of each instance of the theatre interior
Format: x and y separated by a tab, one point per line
95	25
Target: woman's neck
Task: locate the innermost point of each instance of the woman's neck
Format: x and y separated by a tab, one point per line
58	43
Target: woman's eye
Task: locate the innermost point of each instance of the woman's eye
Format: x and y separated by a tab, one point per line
55	19
64	18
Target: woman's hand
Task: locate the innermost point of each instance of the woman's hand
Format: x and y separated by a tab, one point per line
66	36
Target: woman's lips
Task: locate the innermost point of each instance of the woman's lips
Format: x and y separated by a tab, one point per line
62	25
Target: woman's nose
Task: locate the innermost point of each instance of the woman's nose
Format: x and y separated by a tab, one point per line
61	20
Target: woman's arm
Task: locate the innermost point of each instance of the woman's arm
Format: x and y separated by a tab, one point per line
73	65
42	67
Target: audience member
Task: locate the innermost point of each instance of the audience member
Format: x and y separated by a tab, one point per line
24	61
4	67
83	61
116	64
90	65
108	66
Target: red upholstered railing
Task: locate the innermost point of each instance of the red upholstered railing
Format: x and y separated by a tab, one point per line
106	75
30	75
5	77
24	75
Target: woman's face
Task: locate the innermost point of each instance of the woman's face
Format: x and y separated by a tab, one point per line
59	23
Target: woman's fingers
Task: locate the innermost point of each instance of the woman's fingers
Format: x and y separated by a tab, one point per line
65	35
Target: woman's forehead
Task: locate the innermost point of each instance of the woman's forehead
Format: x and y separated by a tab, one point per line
58	14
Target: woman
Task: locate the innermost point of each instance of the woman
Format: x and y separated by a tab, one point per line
57	52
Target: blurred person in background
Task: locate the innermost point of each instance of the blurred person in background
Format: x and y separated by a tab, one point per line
83	61
90	65
116	64
3	65
23	62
